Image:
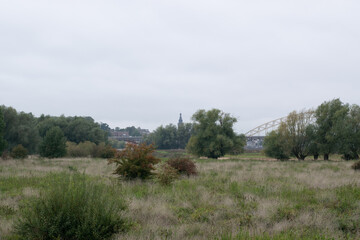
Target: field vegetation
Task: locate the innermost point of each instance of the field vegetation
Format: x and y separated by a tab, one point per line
230	198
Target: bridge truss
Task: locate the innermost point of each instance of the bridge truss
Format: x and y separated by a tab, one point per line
309	115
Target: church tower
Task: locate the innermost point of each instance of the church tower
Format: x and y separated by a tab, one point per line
180	123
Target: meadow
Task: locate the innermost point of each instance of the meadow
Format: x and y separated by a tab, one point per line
247	197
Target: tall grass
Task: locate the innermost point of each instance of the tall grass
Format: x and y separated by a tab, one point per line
228	199
72	207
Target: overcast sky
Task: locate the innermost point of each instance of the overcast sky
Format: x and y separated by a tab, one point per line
142	63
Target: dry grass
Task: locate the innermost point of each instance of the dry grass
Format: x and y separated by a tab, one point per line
226	198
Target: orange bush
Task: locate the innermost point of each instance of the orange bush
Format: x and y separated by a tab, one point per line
135	161
183	165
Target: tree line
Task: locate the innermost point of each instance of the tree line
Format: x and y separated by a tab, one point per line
211	134
170	136
332	128
38	134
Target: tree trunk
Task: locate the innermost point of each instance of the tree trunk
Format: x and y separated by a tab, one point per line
316	156
300	157
326	156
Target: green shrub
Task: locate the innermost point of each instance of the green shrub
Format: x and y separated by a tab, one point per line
19	152
90	149
135	161
166	174
107	152
103	150
356	165
117	144
183	165
5	155
83	149
276	146
72	207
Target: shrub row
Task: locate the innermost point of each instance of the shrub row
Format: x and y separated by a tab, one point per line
137	161
89	149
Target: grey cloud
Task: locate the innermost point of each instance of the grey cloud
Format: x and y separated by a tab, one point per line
144	62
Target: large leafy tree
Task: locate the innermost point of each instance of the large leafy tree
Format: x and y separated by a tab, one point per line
276	145
348	132
184	133
297	134
328	115
166	137
20	128
54	143
47	122
294	137
311	132
82	129
213	134
76	129
170	136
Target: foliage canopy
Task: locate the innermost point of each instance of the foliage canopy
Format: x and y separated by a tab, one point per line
54	144
213	134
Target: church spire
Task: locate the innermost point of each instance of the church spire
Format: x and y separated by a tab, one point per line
180	121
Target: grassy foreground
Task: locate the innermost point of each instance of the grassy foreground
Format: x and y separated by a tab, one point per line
229	199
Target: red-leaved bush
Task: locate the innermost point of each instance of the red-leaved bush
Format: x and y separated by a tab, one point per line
183	165
135	161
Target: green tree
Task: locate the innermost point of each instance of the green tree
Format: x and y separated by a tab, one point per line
54	143
81	129
2	130
213	134
170	136
328	115
20	128
348	132
276	145
311	132
47	122
133	131
166	137
184	132
296	133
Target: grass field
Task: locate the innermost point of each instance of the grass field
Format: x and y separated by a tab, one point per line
229	199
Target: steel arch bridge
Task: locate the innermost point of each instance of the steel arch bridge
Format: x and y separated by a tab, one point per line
309	115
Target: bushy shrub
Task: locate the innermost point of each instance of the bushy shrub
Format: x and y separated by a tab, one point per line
183	165
107	152
90	149
103	150
72	207
166	174
83	149
356	165
135	161
276	146
5	155
19	152
117	144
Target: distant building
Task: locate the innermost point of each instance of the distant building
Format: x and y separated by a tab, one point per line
143	131
119	133
180	123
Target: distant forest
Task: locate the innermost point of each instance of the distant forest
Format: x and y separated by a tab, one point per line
20	128
24	129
